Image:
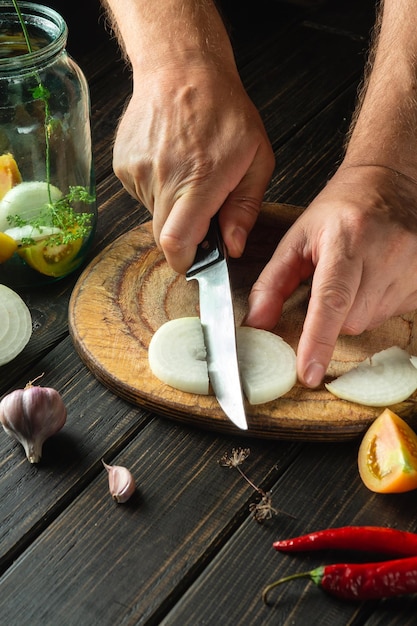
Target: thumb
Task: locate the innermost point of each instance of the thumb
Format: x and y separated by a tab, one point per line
237	218
241	208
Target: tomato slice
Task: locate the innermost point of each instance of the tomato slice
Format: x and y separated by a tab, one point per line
387	456
52	260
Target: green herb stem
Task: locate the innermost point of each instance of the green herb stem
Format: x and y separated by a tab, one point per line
60	213
23	25
43	94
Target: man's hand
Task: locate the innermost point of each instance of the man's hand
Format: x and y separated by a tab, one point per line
359	239
191	144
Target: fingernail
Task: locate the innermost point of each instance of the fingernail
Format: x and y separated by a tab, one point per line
239	239
313	374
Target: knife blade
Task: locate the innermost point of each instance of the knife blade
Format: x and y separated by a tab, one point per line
218	322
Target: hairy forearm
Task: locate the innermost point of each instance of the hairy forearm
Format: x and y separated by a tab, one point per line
385	125
167	32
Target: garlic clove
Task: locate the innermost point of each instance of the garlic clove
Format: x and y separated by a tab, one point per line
121	482
32	415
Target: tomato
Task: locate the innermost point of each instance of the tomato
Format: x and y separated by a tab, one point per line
8	247
9	173
52	260
388	455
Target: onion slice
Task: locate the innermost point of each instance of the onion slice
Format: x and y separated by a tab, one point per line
382	380
15	324
37	233
177	356
27	200
267	364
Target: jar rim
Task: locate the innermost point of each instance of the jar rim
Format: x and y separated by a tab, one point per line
48	21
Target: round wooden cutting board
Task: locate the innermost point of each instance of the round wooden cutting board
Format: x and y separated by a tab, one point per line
128	291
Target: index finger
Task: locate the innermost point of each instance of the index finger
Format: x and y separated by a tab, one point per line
333	293
185	227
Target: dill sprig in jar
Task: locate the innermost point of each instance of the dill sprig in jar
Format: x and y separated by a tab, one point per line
47	191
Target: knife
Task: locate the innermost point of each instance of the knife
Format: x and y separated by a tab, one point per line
217	319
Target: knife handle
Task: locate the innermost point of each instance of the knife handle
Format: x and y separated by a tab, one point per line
211	250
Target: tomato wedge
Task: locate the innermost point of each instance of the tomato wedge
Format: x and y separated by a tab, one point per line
52	260
387	456
9	173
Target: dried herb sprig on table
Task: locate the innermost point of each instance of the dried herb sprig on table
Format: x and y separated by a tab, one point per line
262	510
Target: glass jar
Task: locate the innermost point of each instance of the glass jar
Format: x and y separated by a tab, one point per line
47	191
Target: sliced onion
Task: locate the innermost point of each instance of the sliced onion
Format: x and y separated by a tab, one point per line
413	360
15	324
177	356
267	364
382	380
27	201
30	232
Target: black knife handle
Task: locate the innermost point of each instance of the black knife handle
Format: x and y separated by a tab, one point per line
211	250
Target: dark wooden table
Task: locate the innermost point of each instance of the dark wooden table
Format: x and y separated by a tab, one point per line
185	549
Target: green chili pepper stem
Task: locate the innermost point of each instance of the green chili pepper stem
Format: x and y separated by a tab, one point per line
315	575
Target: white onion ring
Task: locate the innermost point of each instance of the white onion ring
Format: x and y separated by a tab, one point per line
15	324
177	356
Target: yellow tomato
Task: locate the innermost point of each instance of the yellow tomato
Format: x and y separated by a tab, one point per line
388	455
9	174
52	260
8	247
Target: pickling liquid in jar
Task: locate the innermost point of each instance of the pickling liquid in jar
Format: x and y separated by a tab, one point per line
48	209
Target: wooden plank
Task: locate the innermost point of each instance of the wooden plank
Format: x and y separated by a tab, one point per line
348	19
229	589
395	612
306	162
169	535
313	71
98	423
251	26
117	564
290	71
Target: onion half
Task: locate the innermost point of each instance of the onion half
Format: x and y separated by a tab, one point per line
177	355
15	324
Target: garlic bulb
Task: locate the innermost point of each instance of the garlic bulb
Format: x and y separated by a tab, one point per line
31	415
121	482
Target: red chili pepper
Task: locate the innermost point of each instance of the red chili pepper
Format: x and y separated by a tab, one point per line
363	581
364	538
